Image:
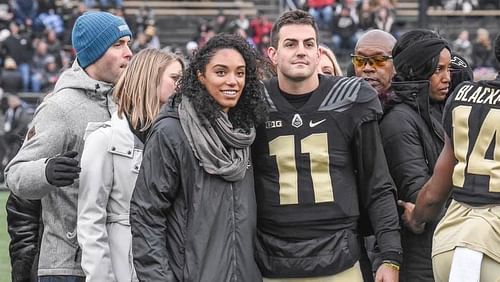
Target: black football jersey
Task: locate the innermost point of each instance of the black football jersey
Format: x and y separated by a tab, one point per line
303	161
472	122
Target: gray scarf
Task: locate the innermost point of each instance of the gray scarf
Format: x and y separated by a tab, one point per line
221	149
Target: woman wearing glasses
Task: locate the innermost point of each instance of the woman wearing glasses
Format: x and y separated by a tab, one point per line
412	133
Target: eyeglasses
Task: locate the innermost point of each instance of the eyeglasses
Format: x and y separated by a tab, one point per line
374	61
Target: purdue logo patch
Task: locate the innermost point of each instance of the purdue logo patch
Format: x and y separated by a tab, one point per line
296	121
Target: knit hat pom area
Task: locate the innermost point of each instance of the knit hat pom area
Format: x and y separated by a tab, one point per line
94	32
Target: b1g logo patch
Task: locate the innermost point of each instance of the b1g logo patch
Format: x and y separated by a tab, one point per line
274	124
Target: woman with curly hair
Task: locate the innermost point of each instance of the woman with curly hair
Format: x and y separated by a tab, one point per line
193	211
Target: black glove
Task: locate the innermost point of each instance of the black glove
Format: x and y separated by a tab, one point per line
62	170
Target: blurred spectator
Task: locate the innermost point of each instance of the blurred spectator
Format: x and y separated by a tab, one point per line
322	11
10	79
6	16
191	47
353	9
221	24
260	27
76	12
482	51
241	32
242	22
54	46
384	20
50	20
38	66
130	20
18	46
344	30
462	46
152	40
16	122
139	43
205	36
366	17
50	75
25	11
264	44
144	18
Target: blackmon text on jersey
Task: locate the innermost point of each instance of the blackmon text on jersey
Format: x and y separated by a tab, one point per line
480	95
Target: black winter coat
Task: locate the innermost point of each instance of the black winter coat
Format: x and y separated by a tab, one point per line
413	137
188	225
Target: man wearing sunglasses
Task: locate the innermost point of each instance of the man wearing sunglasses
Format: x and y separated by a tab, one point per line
372	61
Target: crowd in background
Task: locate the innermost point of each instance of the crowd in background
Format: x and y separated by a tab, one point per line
35	40
212	166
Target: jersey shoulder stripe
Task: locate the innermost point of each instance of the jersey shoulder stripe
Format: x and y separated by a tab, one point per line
270	103
342	94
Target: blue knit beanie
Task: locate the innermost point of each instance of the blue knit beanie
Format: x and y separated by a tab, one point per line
94	33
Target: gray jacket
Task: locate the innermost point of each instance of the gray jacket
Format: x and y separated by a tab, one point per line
58	126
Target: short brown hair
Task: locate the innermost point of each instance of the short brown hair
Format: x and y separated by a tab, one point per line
292	17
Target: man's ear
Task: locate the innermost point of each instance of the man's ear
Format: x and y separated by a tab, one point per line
272	53
201	77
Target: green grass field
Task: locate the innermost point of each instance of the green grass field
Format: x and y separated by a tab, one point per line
4	240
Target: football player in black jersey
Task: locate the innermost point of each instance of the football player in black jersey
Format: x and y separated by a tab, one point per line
466	242
320	167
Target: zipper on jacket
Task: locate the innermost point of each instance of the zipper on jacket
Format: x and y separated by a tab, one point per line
234	232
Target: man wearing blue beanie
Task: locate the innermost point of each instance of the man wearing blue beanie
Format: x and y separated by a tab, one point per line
42	175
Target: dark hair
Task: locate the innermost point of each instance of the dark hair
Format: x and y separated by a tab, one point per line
424	64
292	17
251	109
